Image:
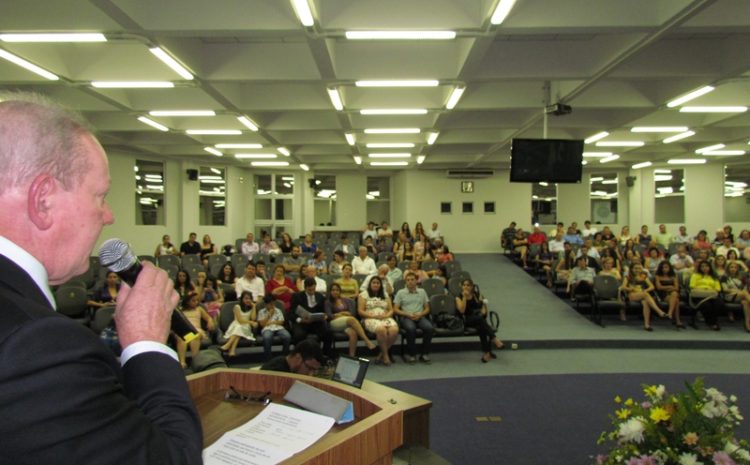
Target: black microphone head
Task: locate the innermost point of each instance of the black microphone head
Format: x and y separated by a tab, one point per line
116	255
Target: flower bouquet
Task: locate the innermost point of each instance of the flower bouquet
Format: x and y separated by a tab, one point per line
695	427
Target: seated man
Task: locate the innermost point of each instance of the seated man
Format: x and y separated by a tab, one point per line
191	247
581	279
521	245
293	262
269	246
537	237
413	306
434	233
588	231
681	261
382	272
663	238
369	232
249	248
320	283
344	245
384	232
682	237
251	282
362	263
303	328
305	359
557	244
573	237
506	237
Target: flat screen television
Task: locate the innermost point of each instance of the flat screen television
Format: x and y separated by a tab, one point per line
546	160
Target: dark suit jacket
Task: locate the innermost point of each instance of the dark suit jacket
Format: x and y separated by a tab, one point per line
65	400
299	298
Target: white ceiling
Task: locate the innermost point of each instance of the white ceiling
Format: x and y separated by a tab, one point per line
617	63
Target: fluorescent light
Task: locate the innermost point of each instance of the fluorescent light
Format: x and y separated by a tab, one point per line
584	162
609	181
502	11
213	151
726	109
304	167
665	190
432	137
659	129
349	138
248	123
596	137
28	66
455	97
132	84
609	159
725	153
620	143
154	187
182	113
60	37
420	159
153	123
389	163
710	148
239	146
269	163
596	179
216	171
302	9
288	178
399	145
663	177
690	96
213	132
662	171
398	83
284	151
686	161
389	155
152	177
357	159
544	184
213	181
400	35
677	137
393	111
393	131
172	63
638	166
335	97
597	154
255	155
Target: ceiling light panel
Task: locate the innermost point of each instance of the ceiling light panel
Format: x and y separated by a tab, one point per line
392	131
690	96
398	83
28	66
393	111
400	35
714	109
54	37
168	113
132	84
168	60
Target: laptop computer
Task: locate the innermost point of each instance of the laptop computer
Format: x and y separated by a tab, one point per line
351	370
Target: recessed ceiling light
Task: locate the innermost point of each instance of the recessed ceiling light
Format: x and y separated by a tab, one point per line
389	163
393	131
597	154
596	137
55	37
398	83
239	146
690	96
638	166
172	63
389	155
609	159
304	13
213	151
620	143
502	11
397	145
659	129
153	123
132	84
393	111
710	147
687	161
400	35
304	167
420	159
248	123
454	97
432	137
677	137
724	109
335	96
28	65
284	151
349	138
182	113
213	132
725	153
357	159
269	163
242	156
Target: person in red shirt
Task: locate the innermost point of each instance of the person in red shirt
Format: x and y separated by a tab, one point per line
537	237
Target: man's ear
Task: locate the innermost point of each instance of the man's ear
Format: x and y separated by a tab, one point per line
40	202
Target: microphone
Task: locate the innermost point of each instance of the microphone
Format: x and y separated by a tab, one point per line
116	255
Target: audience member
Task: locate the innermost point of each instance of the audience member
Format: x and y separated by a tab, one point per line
638	288
320	283
362	263
413	307
304	327
382	272
165	247
271	321
507	236
644	238
681	261
182	284
349	285
249	247
269	247
196	315
434	233
281	287
318	261
370	232
572	237
735	289
340	311
376	310
207	248
682	237
581	280
243	326
704	289
286	245
663	238
668	290
384	232
305	359
308	246
624	236
106	295
588	231
191	246
344	247
472	305
294	261
250	282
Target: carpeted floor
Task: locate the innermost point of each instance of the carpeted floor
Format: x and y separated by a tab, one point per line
548	419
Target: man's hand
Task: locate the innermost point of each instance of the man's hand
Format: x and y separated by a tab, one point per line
144	311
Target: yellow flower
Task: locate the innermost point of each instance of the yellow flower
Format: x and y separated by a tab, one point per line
623	413
690	439
629	402
618	399
659	414
650	391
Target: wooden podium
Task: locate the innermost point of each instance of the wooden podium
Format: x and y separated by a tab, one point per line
379	413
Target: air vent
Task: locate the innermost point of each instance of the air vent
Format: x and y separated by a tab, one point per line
469	174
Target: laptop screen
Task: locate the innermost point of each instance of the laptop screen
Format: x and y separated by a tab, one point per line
351	370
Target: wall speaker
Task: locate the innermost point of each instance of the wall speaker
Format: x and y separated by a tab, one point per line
192	174
630	181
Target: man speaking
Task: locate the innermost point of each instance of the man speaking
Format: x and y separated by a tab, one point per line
64	398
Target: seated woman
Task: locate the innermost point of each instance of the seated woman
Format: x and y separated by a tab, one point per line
441	273
668	290
610	253
349	286
207	248
281	287
271	320
735	288
703	282
598	242
420	242
106	295
339	260
243	325
226	274
543	260
319	262
308	246
638	288
376	310
701	241
195	314
341	318
644	238
444	255
286	244
213	297
165	247
414	267
472	306
182	284
720	266
733	257
652	260
406	252
624	236
566	264
300	283
608	268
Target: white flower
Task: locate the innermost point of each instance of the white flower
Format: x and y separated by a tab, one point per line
660	389
736	451
714	410
632	430
732	398
735	411
689	459
716	395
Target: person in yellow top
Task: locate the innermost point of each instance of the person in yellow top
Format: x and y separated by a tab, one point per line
704	279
